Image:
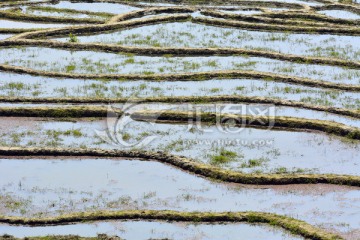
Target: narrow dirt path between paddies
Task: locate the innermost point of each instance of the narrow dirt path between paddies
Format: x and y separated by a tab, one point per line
279	122
192	99
290	224
191	166
188	76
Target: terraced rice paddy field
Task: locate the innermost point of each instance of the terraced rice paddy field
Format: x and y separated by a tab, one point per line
180	119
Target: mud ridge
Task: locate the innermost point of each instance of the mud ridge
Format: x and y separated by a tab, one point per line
290	224
324	126
157	51
186	99
194	76
190	166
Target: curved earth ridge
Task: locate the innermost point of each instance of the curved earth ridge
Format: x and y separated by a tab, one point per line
193	99
188	76
277	122
190	166
290	224
175	51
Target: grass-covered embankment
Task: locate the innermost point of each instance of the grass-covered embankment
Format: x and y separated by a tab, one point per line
191	166
290	224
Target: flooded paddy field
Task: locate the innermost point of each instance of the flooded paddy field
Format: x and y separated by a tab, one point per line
21	25
188	34
24	85
54	60
252	150
113	8
341	14
180	120
4	36
124	184
44	10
